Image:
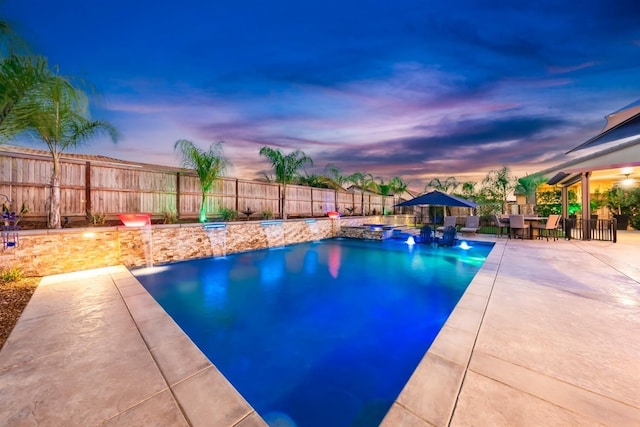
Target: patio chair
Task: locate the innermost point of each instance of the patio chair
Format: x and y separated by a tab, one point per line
449	221
471	224
502	226
550	227
448	236
517	226
426	235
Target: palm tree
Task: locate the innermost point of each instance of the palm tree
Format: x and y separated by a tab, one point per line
469	190
209	166
394	186
528	185
20	76
331	171
286	168
57	114
398	186
499	183
446	185
364	181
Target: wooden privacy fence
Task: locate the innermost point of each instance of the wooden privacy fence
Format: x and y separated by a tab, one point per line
89	184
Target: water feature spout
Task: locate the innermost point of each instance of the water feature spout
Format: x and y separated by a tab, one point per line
217	233
312	224
274	231
143	221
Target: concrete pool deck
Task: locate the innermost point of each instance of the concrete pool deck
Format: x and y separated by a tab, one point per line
548	333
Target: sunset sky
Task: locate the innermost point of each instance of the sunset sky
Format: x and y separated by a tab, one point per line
416	89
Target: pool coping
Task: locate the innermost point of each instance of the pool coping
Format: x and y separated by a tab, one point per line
451	350
431	393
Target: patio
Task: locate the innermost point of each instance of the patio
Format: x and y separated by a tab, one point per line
548	333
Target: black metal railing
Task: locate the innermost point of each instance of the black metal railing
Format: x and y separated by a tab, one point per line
590	229
569	228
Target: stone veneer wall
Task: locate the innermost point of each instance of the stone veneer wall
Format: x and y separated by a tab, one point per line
46	252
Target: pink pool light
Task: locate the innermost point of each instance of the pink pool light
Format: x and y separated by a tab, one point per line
135	219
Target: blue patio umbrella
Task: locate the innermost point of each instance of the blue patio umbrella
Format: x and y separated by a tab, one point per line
439	198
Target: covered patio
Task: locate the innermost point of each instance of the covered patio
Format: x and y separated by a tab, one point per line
612	157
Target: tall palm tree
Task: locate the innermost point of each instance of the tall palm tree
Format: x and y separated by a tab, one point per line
286	168
445	185
364	181
392	187
57	114
331	171
20	78
398	186
209	166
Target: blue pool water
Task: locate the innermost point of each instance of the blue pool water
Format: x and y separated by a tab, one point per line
319	334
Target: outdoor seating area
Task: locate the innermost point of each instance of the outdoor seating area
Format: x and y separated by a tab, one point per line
548	228
471	225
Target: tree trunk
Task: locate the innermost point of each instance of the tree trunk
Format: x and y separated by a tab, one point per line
53	219
203	208
283	201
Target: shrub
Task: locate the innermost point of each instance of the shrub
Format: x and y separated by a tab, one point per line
267	214
11	274
228	214
97	218
169	217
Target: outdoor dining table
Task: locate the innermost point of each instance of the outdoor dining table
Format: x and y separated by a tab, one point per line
529	220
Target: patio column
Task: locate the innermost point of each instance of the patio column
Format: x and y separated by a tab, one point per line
564	199
586	207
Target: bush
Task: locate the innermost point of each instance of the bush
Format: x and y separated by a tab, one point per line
267	214
169	217
635	222
9	275
97	218
228	214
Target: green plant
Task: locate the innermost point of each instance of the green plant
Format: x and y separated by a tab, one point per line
169	217
267	214
619	200
11	274
97	218
209	165
635	222
57	114
228	214
286	168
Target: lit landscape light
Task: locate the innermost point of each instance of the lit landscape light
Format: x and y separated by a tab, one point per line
135	219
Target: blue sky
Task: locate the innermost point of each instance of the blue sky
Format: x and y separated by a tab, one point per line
416	89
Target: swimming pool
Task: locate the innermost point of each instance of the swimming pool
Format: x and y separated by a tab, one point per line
318	334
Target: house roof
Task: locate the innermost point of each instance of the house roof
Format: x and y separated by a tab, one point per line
621	125
616	146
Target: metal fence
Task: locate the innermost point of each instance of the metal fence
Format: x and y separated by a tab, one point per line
590	229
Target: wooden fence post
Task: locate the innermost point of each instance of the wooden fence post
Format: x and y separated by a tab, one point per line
87	189
178	194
